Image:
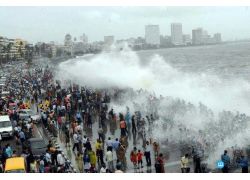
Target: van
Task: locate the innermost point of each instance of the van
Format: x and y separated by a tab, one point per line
15	165
6	128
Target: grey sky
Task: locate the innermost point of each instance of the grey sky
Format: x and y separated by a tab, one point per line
52	23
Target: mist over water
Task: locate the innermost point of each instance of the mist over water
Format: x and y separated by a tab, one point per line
182	92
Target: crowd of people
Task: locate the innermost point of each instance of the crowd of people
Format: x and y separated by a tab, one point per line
71	112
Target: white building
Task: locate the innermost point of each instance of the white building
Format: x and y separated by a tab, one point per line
152	34
176	34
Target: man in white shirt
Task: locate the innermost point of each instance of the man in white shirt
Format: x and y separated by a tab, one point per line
60	159
147	153
48	157
109	159
76	142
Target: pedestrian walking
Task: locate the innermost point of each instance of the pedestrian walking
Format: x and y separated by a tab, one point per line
185	164
147	153
109	159
226	160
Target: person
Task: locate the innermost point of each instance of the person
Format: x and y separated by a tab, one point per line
197	161
76	142
156	148
115	145
159	164
50	145
133	125
99	151
67	137
103	169
33	166
147	153
86	163
101	134
48	157
118	169
123	127
22	137
133	157
9	151
226	160
84	140
60	159
121	152
41	165
127	119
109	159
109	144
79	161
139	158
243	162
92	157
184	164
14	153
88	145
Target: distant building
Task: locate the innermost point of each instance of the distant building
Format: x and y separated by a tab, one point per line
80	48
217	37
109	40
197	35
53	48
4	41
176	34
165	41
187	39
68	49
68	40
152	34
84	38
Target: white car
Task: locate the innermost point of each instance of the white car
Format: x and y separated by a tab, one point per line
28	114
6	128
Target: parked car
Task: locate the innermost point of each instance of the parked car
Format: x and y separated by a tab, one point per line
28	115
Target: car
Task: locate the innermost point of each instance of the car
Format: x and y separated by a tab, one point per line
15	165
28	114
6	128
37	146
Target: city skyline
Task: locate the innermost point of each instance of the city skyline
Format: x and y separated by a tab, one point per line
46	24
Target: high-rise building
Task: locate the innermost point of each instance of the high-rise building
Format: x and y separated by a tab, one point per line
197	36
152	34
176	34
68	44
217	37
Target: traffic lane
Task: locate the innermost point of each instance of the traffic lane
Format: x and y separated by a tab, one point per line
17	146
